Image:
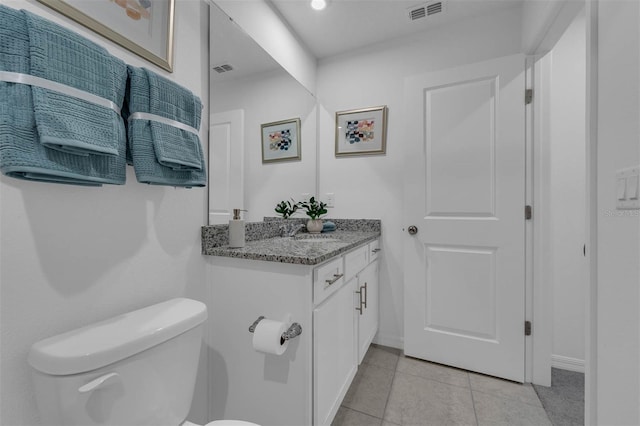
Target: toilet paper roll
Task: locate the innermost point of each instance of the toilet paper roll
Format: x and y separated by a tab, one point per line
268	335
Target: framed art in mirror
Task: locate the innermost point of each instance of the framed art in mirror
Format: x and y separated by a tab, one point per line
361	131
144	27
281	141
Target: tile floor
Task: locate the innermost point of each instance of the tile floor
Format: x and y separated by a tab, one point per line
391	389
564	399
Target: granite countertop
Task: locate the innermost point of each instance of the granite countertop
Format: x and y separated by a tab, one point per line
303	249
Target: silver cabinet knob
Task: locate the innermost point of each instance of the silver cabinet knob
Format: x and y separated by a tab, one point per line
413	230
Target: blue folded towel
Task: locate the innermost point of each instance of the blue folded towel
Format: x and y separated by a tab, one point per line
163	154
328	226
175	148
21	153
66	123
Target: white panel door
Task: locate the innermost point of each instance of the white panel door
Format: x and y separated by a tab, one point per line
464	191
226	159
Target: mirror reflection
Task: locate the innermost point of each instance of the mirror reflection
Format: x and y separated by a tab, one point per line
248	89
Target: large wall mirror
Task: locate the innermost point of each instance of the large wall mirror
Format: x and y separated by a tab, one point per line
248	88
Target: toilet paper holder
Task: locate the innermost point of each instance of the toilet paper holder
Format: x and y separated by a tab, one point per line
294	330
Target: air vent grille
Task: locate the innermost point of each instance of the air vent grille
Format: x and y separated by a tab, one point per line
434	8
417	13
426	10
222	68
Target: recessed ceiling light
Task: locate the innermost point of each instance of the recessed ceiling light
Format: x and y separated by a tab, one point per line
318	4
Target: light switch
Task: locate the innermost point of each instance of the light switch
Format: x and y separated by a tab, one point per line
331	199
632	187
622	189
628	188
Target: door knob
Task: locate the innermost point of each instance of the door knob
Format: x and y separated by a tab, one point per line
413	230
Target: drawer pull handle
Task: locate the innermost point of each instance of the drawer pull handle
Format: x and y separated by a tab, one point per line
375	250
336	277
364	304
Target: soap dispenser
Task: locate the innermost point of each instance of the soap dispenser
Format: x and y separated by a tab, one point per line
236	230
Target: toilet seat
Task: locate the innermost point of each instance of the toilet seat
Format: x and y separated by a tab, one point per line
222	423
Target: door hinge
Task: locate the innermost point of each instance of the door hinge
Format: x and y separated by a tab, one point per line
528	212
527	328
528	96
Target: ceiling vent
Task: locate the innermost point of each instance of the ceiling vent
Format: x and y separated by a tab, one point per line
222	68
426	10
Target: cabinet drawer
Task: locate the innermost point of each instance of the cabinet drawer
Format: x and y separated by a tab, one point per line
355	262
374	250
327	279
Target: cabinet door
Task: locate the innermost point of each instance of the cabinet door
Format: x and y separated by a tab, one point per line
368	316
334	353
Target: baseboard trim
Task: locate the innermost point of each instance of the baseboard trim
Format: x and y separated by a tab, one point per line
567	363
389	340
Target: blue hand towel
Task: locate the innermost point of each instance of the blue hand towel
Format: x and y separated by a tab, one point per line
66	123
175	148
160	153
328	226
21	153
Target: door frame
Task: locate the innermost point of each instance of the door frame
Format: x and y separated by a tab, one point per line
539	306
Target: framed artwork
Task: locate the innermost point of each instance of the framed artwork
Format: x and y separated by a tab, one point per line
281	141
361	131
144	27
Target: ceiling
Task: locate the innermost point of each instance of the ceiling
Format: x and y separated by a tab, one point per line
344	26
347	25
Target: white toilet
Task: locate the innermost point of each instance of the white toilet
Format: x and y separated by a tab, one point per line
135	369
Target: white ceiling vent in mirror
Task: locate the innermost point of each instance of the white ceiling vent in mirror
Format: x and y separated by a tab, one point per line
426	10
222	68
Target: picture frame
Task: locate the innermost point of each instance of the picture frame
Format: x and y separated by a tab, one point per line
281	141
144	27
361	131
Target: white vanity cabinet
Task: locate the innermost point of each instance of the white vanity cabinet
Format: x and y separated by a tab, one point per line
344	326
367	307
334	353
306	384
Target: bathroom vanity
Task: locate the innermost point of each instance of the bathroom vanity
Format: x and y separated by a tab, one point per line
329	285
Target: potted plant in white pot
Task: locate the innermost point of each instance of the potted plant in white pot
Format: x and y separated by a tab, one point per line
314	209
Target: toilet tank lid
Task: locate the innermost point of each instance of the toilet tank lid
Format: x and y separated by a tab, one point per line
114	339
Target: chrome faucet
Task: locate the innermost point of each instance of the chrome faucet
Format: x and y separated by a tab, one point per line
294	230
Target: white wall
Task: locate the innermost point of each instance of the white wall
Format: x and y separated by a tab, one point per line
70	256
372	186
266	98
618	251
544	22
567	198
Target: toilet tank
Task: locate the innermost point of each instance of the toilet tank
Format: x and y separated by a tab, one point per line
138	368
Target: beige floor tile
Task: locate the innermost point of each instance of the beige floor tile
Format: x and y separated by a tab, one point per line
370	389
505	389
429	370
348	417
492	411
382	356
417	401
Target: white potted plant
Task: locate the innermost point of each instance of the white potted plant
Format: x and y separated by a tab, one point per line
314	209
